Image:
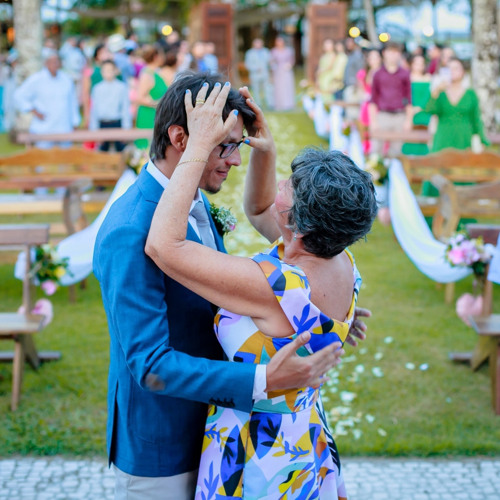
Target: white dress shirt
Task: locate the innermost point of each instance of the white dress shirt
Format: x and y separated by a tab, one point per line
259	384
110	101
52	96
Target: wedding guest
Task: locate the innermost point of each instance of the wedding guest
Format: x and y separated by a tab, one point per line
365	79
326	205
210	60
435	58
168	67
9	88
198	52
420	94
110	104
355	63
338	70
390	107
49	95
458	112
282	62
150	89
257	62
92	76
325	83
73	61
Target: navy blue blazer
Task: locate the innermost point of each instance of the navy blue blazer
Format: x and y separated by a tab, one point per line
165	361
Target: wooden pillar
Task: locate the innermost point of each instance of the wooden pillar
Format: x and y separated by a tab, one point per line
324	21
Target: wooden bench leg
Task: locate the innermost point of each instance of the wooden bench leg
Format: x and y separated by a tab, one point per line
17	373
449	292
495	377
482	351
30	351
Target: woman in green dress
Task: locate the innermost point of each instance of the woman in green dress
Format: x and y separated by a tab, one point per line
457	109
420	94
151	88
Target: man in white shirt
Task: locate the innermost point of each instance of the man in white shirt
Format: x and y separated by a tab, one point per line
50	96
257	62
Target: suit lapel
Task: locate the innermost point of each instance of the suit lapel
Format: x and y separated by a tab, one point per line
219	242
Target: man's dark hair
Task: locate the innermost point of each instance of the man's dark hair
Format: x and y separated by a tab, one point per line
171	109
392	46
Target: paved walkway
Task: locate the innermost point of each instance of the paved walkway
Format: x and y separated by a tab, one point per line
366	479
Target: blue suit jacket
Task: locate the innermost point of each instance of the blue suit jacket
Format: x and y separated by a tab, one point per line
165	361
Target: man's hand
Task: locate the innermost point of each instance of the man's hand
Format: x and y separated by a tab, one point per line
288	370
358	327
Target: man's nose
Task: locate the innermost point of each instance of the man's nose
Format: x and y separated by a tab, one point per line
234	159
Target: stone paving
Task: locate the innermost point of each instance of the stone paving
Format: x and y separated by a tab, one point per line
366	479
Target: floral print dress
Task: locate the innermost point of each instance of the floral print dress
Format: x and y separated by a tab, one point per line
282	449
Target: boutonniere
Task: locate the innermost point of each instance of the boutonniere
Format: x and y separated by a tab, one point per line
224	220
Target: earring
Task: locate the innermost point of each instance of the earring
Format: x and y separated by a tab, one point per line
295	236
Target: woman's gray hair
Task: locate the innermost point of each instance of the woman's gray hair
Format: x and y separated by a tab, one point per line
334	201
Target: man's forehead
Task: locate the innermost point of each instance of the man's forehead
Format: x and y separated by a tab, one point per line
237	133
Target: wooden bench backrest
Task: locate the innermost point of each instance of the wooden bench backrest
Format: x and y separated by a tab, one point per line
25	235
455	202
455	165
71	162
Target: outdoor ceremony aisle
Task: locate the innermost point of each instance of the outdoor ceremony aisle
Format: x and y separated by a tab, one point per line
403	479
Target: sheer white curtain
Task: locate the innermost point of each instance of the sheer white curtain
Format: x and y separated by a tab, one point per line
414	234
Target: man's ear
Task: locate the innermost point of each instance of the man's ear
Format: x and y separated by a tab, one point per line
178	137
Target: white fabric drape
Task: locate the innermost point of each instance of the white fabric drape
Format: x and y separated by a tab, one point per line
494	273
79	247
413	233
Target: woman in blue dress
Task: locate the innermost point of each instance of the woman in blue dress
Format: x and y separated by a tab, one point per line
306	282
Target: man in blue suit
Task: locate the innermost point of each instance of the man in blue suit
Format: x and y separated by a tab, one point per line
165	361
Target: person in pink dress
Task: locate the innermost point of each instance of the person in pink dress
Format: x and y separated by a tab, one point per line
365	77
282	62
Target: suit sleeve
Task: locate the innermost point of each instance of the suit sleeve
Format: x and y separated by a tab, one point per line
133	290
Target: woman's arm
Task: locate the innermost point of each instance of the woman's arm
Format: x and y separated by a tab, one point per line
260	182
477	123
235	283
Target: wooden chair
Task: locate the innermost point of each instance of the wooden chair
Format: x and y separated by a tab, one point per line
455	166
21	327
456	202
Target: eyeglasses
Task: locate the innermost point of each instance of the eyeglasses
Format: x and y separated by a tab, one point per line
228	149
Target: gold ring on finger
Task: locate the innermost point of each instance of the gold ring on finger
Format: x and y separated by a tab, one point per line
200	101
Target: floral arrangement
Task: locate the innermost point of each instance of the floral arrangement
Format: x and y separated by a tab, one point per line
378	168
464	251
48	268
135	158
224	220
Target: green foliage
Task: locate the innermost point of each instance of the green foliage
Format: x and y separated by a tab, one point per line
86	26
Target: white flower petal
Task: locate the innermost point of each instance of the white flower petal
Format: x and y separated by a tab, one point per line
388	340
424	366
410	366
378	356
382	432
377	372
370	418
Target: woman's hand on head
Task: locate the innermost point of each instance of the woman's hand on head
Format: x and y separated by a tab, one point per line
205	125
262	139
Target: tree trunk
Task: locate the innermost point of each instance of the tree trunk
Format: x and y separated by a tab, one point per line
28	28
371	27
485	61
28	43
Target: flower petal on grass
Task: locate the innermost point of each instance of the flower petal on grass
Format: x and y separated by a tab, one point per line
410	366
377	372
370	418
359	369
423	367
388	340
378	356
347	397
382	432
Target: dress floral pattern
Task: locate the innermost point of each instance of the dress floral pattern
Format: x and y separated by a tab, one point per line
283	448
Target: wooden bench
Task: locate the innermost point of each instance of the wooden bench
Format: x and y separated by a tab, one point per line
455	166
74	169
20	327
80	136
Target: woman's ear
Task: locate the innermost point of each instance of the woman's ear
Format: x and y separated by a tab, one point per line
178	137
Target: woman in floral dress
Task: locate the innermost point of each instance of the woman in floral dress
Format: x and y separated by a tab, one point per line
300	286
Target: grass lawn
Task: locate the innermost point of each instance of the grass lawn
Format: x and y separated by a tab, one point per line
396	394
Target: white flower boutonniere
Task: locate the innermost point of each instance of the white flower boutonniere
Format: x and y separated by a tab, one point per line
225	221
